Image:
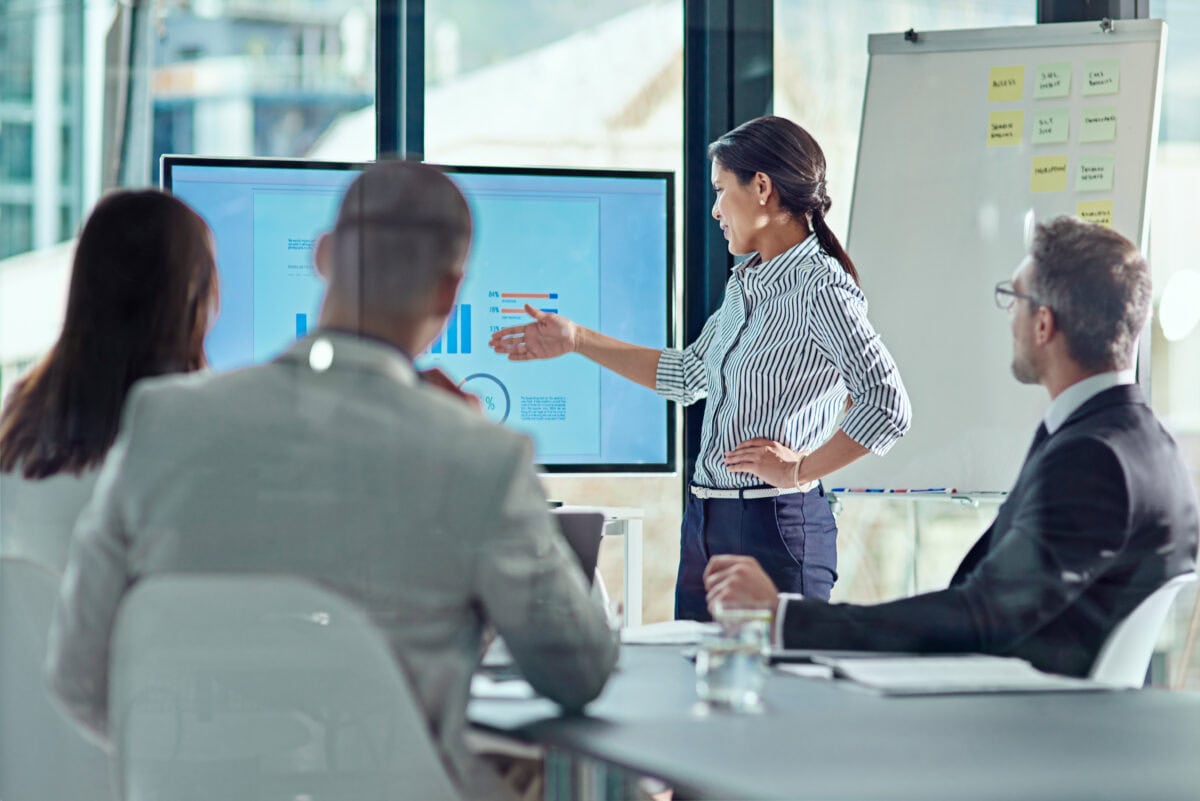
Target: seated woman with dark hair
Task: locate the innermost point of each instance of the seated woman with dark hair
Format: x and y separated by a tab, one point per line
143	288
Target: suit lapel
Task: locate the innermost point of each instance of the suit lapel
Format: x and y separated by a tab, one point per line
1114	396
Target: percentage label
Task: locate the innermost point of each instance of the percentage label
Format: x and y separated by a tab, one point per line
489	402
493	294
494	309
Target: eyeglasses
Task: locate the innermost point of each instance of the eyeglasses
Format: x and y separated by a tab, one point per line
1006	295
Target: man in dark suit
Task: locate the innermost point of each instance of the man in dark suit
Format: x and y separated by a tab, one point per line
1103	511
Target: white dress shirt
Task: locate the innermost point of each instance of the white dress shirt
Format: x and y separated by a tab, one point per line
777	360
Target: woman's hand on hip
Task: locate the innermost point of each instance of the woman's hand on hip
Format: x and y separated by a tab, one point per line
549	335
771	461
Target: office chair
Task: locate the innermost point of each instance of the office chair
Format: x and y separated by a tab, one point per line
1125	655
42	757
262	687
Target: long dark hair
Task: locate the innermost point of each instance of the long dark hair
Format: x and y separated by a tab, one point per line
143	286
794	162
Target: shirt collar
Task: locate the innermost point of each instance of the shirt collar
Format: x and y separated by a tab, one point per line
328	348
1080	393
759	271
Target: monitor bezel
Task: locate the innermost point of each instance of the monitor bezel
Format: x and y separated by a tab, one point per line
169	161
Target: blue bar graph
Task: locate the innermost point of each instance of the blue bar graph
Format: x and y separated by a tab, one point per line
457	336
452	332
301	325
464	324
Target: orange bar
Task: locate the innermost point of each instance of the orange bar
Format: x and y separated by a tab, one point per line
543	295
512	311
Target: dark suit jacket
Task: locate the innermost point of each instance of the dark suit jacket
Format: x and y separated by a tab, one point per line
1103	513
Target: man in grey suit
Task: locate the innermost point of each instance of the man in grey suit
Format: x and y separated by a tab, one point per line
338	462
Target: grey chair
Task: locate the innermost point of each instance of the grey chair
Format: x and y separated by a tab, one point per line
262	687
42	756
1125	656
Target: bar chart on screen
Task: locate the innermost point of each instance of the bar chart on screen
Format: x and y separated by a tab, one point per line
457	336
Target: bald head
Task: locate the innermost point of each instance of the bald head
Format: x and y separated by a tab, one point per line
402	234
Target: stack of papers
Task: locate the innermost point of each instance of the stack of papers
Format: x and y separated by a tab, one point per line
484	686
671	632
934	675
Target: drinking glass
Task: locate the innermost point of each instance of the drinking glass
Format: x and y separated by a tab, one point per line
731	664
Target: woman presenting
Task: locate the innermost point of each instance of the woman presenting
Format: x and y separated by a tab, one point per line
787	352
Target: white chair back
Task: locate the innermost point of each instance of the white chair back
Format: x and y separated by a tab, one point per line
1125	655
262	687
42	756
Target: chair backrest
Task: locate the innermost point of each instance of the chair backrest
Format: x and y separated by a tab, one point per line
42	756
264	687
583	531
1125	655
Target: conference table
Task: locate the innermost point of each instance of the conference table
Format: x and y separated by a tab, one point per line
834	741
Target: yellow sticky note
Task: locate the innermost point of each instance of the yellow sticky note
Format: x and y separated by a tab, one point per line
1051	127
1006	84
1053	80
1095	211
1102	77
1004	128
1098	124
1095	174
1049	174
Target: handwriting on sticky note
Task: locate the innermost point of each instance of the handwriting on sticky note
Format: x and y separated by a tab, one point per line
1053	80
1004	128
1095	174
1051	127
1006	84
1098	124
1049	174
1102	77
1096	211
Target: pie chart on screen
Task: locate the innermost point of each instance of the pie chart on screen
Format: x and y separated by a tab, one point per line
493	395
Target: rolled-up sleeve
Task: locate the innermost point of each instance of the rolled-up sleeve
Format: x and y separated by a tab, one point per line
881	412
680	376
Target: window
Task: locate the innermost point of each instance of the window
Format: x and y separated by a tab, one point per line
223	77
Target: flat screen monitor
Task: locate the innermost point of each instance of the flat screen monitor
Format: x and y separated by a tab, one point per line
594	245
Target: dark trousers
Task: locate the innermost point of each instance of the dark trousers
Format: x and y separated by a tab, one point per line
793	537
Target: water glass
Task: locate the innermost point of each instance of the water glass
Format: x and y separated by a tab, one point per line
731	665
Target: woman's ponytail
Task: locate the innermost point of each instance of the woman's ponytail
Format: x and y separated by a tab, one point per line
829	241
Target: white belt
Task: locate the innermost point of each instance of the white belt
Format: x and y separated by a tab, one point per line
704	493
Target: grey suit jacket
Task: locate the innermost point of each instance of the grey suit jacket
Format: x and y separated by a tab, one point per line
359	476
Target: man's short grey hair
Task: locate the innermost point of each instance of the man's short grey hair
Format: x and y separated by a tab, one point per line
1097	285
402	227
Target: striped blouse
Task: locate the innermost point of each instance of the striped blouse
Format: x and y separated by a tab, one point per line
777	359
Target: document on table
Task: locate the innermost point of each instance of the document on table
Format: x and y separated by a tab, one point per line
670	632
806	671
484	686
948	675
